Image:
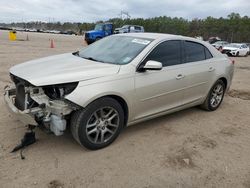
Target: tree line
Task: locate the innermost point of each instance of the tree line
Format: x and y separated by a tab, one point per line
233	28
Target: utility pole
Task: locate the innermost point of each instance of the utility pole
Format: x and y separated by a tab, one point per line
124	15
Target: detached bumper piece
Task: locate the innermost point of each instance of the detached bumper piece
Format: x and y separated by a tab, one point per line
38	108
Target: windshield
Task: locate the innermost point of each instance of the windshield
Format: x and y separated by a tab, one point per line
219	42
233	45
115	49
125	26
99	27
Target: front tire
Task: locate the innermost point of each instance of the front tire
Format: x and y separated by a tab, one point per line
99	124
215	96
98	38
88	42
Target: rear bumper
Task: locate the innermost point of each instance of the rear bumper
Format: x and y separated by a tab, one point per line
25	116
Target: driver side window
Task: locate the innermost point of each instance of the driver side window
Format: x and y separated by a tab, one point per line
168	53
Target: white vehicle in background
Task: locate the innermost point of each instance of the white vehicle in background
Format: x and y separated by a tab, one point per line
236	49
220	44
248	45
129	29
54	31
31	30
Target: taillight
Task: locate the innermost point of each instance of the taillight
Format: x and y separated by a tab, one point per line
232	61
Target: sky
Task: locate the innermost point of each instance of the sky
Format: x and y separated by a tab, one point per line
95	10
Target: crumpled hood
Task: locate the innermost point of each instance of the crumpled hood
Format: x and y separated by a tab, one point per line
230	48
62	68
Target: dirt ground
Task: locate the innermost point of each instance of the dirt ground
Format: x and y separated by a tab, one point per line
191	148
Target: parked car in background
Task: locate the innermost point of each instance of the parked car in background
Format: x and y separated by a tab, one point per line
236	49
68	32
220	44
100	31
212	40
129	29
118	81
248	44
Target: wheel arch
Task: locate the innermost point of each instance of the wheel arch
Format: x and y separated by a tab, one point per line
223	78
98	37
120	100
124	105
224	81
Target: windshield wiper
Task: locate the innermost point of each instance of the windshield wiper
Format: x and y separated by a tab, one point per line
76	53
92	59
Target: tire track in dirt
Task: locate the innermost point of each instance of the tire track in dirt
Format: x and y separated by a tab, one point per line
55	184
241	94
229	131
184	156
244	68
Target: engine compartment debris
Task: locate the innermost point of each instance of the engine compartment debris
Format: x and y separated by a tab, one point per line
28	139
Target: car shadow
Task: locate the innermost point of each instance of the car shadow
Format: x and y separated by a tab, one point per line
156	123
67	141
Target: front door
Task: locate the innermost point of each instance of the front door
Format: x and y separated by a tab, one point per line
161	90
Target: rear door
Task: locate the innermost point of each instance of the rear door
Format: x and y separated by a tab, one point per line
199	69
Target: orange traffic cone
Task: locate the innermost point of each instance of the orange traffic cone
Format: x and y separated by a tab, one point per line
52	45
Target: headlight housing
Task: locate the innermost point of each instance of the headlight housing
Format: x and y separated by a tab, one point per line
58	91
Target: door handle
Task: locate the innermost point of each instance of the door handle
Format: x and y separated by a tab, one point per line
179	76
211	69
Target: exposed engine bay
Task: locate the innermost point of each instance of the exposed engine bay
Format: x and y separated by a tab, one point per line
46	105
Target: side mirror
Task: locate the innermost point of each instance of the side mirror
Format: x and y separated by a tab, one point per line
152	65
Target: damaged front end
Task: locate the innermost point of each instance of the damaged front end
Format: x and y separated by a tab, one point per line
44	106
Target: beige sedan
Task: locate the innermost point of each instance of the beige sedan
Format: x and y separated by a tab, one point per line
118	81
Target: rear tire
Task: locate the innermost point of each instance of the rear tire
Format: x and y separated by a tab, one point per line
215	96
99	124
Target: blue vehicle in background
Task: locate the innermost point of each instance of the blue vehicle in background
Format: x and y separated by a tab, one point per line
101	30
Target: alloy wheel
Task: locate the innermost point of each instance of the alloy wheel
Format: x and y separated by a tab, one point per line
217	95
102	125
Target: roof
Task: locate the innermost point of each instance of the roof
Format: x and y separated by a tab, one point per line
159	36
150	35
162	36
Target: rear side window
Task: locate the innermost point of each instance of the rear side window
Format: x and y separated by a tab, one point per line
194	52
168	53
208	53
137	28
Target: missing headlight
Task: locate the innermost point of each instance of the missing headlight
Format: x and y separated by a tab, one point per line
60	90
